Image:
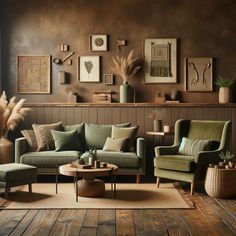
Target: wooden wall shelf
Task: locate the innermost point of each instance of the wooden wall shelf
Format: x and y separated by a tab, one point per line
129	105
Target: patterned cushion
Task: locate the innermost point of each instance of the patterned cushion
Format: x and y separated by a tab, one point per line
130	133
31	139
191	147
115	144
44	136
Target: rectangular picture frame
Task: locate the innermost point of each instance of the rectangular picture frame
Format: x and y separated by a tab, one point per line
89	69
108	79
98	42
198	74
34	74
160	60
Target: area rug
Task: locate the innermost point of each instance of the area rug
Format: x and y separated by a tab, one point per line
129	196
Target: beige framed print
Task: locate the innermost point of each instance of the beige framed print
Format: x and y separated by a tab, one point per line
160	60
108	79
198	74
34	74
98	42
88	69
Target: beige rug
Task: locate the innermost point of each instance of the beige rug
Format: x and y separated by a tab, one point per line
129	196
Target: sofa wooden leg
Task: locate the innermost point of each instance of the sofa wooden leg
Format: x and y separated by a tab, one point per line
192	188
158	182
30	188
138	177
6	193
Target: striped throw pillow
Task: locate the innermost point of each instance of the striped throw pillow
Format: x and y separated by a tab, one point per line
191	147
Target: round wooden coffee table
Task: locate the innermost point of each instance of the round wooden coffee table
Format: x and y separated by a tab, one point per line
89	186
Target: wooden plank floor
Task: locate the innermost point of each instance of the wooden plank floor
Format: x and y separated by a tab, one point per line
210	217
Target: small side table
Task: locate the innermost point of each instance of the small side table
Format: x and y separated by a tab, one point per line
161	134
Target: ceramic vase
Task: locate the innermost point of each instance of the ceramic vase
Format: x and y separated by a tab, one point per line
72	98
156	126
6	151
224	95
125	93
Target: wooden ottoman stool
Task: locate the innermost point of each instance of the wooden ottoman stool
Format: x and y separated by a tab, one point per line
14	174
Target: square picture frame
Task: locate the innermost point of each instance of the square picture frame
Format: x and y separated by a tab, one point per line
160	60
89	69
108	79
198	74
34	74
98	42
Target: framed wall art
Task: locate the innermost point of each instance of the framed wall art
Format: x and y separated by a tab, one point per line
160	60
198	74
108	79
98	42
34	74
89	69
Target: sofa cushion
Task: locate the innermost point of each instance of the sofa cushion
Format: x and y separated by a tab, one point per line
175	162
126	132
96	135
191	147
121	159
115	144
31	139
66	141
44	136
80	132
49	158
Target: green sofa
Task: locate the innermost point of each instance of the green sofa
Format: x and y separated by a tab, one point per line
170	164
91	135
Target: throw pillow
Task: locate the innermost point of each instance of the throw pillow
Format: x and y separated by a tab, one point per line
191	147
115	144
66	141
44	136
31	139
129	133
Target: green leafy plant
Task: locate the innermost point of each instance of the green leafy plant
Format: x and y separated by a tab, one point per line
223	82
92	152
226	156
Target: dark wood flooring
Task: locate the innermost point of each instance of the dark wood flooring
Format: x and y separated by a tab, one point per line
210	217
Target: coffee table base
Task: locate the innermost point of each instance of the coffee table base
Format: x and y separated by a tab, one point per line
91	188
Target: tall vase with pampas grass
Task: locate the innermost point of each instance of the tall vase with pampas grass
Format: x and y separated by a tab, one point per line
11	114
126	68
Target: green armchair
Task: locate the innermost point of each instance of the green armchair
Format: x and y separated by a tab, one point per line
169	164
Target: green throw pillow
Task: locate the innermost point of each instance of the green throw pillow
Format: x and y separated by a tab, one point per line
191	147
66	141
130	133
115	144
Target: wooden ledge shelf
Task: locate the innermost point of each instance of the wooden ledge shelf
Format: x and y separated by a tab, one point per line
114	104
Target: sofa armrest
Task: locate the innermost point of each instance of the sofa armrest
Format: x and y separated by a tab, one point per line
166	150
141	153
20	148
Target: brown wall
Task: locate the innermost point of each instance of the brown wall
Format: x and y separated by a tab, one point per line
34	27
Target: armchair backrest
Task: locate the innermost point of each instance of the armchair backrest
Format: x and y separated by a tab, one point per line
217	131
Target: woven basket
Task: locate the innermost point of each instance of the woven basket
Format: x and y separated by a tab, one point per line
221	183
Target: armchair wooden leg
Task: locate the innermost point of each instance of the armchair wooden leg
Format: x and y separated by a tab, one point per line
30	188
6	193
193	184
138	177
158	182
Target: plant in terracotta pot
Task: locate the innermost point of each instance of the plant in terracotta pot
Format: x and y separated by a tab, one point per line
11	114
126	68
224	92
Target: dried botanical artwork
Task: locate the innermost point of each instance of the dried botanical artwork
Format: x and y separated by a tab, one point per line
33	74
98	42
160	60
88	69
198	74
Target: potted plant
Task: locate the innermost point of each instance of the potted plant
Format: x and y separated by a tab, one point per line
126	68
224	92
11	114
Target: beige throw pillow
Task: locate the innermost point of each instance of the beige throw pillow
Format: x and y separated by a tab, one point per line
44	136
130	133
31	139
115	144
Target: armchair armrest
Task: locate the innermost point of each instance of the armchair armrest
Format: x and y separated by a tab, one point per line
20	148
208	157
141	153
166	150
